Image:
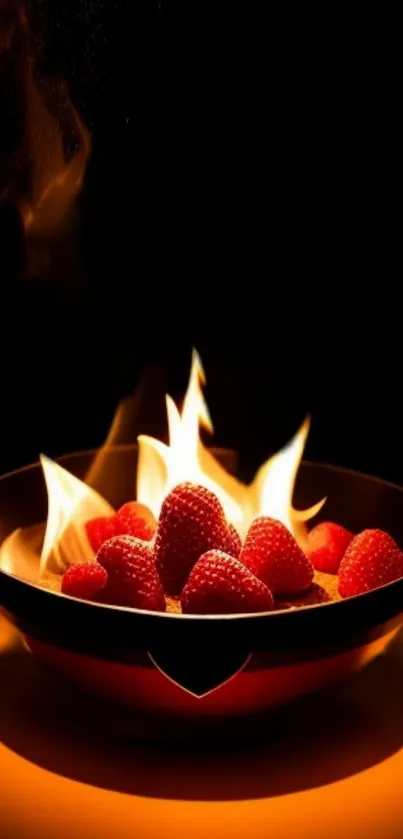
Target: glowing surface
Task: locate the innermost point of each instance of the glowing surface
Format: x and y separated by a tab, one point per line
337	774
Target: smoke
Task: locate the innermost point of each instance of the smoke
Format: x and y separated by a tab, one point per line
44	145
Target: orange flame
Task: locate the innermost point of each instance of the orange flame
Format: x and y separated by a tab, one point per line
46	167
273	486
57	174
161	467
70	504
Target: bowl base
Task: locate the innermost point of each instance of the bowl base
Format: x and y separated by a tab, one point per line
148	704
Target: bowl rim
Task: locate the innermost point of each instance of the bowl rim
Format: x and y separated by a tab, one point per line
347	603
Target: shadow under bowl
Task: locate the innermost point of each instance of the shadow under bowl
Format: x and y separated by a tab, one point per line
200	669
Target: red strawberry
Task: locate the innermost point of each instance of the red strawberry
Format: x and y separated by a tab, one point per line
133	519
191	522
136	519
100	530
234	545
85	580
371	560
132	576
220	585
272	554
327	544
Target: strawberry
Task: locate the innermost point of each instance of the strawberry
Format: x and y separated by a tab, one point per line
132	576
85	580
220	585
371	560
133	519
136	519
327	544
191	522
100	530
272	554
234	544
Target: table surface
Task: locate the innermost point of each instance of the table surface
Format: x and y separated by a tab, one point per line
331	767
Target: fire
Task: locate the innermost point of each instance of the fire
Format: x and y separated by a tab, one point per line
160	467
58	171
49	155
273	485
70	504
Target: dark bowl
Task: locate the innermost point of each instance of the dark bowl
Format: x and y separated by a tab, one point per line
201	667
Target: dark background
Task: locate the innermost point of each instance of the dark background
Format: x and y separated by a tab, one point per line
240	198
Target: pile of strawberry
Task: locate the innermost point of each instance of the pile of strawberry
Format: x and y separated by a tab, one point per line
193	555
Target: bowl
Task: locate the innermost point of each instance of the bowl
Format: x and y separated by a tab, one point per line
200	668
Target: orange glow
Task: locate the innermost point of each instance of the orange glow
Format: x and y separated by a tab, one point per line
47	159
273	485
160	467
53	125
70	504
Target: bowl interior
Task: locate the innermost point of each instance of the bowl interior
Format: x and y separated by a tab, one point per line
24	504
354	500
118	634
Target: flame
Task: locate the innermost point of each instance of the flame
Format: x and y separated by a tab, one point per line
49	157
70	504
161	467
272	488
53	125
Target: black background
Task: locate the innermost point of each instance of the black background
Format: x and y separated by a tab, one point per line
240	198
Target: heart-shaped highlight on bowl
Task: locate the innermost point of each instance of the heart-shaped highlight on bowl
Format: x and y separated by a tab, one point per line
199	671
